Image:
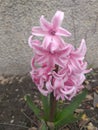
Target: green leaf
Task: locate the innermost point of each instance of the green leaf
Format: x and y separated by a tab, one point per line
70	119
67	114
32	106
46	106
43	126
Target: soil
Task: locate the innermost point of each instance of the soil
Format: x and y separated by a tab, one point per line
16	115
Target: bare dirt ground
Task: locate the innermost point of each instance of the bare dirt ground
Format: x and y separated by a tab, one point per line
16	115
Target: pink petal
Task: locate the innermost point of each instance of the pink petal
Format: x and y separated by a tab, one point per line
88	70
37	31
54	46
82	78
39	49
59	42
50	61
78	79
41	60
45	25
49	47
32	42
65	51
49	85
58	84
72	95
32	63
83	48
57	19
68	91
81	51
63	32
60	62
75	64
46	41
58	97
60	76
44	92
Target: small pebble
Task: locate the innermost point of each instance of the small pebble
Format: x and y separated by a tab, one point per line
84	117
13	117
87	82
33	128
91	126
21	80
92	108
17	90
12	121
89	97
79	110
93	80
18	96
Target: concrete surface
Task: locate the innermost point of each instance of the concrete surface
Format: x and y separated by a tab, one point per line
18	16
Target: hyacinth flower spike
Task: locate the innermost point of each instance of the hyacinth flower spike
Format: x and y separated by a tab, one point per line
58	71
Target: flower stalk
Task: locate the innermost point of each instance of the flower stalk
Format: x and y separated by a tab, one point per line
53	104
58	69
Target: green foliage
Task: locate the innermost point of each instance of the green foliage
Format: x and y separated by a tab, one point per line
63	117
46	106
67	114
43	125
32	106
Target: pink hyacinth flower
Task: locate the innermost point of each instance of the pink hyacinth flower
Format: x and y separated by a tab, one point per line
76	57
52	31
57	67
51	57
68	85
40	76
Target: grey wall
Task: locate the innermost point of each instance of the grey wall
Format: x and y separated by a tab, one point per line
18	16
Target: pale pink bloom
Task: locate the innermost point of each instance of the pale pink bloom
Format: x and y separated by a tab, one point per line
67	85
40	75
61	74
52	31
65	81
60	89
68	92
68	89
57	86
75	81
42	90
51	57
49	84
76	57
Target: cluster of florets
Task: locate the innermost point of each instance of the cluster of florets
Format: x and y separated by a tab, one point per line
57	67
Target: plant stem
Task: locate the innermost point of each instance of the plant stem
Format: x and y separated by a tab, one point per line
53	104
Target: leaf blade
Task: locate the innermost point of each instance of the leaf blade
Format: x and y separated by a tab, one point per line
32	106
43	125
65	114
46	106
